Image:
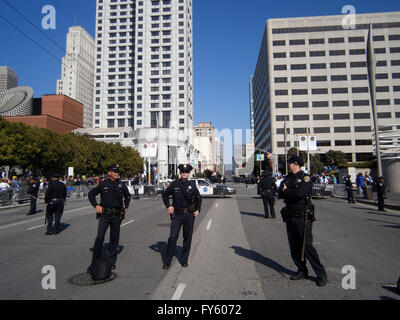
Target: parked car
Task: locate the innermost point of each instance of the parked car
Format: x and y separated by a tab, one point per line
206	188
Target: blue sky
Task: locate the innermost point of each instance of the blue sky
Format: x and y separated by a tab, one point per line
227	38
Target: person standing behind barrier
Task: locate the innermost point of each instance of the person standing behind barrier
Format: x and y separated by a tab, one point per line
70	186
33	191
349	189
267	188
136	186
381	191
55	197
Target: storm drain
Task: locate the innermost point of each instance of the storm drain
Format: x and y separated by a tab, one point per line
85	279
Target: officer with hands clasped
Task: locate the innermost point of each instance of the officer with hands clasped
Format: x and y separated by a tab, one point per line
186	206
114	203
298	213
56	194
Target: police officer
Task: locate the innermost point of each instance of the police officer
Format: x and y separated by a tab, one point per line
186	206
381	190
114	203
349	189
33	191
267	187
296	190
56	194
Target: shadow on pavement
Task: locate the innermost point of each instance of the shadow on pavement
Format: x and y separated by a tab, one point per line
389	224
161	248
378	213
63	226
260	215
252	255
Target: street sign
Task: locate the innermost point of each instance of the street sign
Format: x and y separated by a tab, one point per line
311	141
260	157
148	150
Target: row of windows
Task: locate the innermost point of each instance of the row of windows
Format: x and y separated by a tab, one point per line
335	103
285	92
339	116
327	143
364	26
343	77
322	53
392	37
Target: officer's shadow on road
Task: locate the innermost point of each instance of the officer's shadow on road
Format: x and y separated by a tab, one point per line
260	215
161	248
252	255
63	226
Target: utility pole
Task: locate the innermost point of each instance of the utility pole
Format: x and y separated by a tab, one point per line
372	90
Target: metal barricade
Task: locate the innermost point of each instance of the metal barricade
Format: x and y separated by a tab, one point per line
322	190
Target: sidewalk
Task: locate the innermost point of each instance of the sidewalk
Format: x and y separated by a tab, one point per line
392	201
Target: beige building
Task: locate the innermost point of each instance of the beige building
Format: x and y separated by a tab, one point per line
204	142
313	73
8	78
77	71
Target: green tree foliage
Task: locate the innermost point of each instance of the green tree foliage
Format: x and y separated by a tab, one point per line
316	164
43	151
336	159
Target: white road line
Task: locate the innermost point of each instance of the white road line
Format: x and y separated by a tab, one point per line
127	223
217	205
42	225
209	224
179	291
37	219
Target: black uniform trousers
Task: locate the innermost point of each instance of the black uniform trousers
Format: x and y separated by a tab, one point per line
295	231
55	211
350	196
115	223
268	199
381	202
178	220
33	200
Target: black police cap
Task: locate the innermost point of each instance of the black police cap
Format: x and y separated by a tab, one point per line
296	159
55	175
185	168
114	167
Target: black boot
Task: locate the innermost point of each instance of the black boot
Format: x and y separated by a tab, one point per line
300	275
322	280
56	228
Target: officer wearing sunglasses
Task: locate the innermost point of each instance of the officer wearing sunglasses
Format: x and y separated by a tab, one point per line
114	203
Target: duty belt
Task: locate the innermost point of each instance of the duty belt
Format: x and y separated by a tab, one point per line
111	212
185	210
297	213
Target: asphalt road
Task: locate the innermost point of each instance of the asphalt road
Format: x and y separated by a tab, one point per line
236	253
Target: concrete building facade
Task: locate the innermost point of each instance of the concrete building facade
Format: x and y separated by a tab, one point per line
77	71
313	73
8	78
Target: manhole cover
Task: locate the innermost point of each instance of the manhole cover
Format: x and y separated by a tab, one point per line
85	279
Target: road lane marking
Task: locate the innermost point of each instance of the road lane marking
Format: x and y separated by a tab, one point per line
217	205
37	219
127	223
42	225
179	291
209	224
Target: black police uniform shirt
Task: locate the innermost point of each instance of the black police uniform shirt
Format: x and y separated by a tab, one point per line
114	195
184	194
380	189
267	184
299	186
55	190
33	189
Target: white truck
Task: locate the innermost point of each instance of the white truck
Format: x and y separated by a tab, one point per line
207	189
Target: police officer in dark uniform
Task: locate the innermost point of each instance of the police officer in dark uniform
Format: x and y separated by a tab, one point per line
381	190
296	190
56	194
114	203
186	206
33	191
267	188
349	189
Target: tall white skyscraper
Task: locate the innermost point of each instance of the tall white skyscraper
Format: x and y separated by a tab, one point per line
77	71
8	79
144	65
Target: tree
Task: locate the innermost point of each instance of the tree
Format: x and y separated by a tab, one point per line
336	159
316	165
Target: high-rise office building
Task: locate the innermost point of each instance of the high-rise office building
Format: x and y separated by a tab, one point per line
313	73
204	141
77	71
144	64
144	73
8	79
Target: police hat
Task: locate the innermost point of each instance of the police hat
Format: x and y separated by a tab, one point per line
55	175
185	168
296	159
114	168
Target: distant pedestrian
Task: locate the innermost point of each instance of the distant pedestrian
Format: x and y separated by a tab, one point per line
55	197
381	193
349	189
136	186
33	191
268	189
